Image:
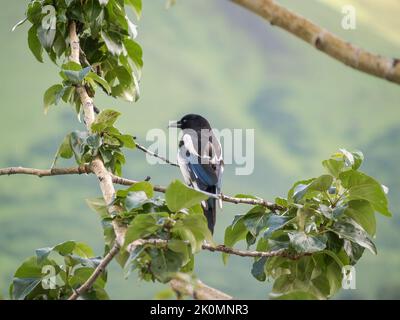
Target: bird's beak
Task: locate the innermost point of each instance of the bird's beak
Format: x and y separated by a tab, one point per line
176	124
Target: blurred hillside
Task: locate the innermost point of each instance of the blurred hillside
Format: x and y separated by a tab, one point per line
213	58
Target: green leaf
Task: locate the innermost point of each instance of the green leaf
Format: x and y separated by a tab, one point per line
351	159
303	242
177	245
64	150
132	28
127	141
319	184
275	222
164	263
43	253
112	42
334	276
83	250
353	250
78	142
193	228
322	183
94	15
136	6
21	287
349	229
258	270
34	12
362	212
333	166
94	141
179	196
348	157
65	248
99	80
143	225
98	205
50	96
135	200
128	92
104	120
81	275
281	201
362	187
130	264
358	159
299	185
134	52
275	245
145	186
234	233
76	76
34	44
46	37
72	66
256	220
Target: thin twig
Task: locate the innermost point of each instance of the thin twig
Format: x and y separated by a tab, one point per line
96	273
128	182
156	155
261	202
223	249
325	41
255	254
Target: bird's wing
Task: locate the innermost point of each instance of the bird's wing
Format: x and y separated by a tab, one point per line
201	164
199	171
199	175
217	162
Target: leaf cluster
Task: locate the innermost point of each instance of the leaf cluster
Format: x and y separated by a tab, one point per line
104	141
55	272
110	56
329	219
178	219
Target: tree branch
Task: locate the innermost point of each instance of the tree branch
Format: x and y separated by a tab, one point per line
127	182
223	249
197	289
45	172
323	40
97	272
97	165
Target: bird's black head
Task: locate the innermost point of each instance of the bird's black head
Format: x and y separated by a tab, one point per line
192	121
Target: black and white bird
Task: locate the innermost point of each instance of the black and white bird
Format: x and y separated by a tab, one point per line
200	161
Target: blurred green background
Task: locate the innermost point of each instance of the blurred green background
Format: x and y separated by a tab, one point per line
216	59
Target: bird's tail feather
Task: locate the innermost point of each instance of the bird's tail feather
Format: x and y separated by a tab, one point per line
210	209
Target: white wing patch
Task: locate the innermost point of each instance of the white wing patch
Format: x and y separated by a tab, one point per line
188	152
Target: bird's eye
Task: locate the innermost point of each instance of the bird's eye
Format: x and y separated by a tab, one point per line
184	120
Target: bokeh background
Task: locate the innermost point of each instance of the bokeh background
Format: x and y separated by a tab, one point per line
214	58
